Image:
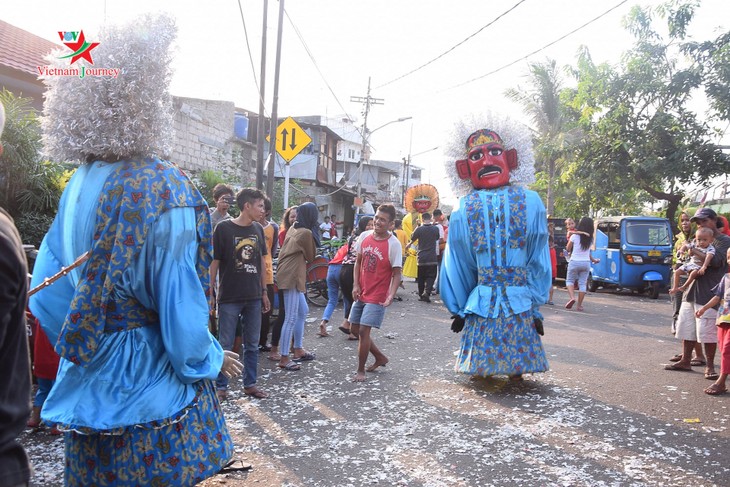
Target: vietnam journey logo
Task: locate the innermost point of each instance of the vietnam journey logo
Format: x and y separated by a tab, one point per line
80	49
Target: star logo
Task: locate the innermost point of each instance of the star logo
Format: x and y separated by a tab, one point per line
78	44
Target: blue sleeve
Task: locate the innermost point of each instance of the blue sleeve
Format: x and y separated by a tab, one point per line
539	273
164	278
459	270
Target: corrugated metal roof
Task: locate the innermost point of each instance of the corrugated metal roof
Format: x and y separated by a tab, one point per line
21	50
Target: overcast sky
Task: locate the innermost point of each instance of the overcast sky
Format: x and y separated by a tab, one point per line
350	41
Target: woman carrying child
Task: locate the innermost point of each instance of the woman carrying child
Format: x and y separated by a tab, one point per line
579	266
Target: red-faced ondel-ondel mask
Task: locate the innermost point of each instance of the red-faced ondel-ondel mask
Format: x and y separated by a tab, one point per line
487	163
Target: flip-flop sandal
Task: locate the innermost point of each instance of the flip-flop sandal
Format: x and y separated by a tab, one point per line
569	304
231	467
676	358
305	358
291	365
711	375
714	390
274	358
674	367
697	362
344	330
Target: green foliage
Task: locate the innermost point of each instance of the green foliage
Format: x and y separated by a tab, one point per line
640	138
30	188
553	120
714	58
33	227
206	181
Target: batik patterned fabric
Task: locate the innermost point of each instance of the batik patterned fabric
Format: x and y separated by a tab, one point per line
496	273
133	198
182	453
507	345
146	361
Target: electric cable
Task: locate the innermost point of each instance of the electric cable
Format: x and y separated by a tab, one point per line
537	50
452	48
250	57
316	66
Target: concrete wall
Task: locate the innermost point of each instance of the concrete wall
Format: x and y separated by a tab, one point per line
204	140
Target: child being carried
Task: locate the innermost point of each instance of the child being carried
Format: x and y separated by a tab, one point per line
697	264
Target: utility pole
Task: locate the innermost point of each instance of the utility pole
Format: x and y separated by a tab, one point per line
367	100
260	137
275	118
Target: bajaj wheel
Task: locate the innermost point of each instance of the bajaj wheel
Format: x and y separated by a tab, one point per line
592	285
654	289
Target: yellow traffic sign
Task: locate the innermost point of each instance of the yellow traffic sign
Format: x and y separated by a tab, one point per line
290	139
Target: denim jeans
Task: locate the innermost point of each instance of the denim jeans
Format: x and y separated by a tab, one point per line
44	387
296	312
333	289
249	312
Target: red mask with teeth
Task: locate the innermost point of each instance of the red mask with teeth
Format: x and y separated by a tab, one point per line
488	164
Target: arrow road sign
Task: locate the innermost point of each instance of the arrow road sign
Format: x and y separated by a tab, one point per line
290	139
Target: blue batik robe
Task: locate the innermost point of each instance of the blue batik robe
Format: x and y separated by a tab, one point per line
134	386
496	273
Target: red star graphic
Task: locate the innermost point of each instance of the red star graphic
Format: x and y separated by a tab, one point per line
81	47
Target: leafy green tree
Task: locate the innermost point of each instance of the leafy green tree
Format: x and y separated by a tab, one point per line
639	133
552	120
30	187
714	58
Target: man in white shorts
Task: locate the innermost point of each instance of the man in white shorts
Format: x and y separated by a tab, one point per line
691	329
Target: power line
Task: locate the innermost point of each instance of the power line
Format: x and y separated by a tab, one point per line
538	50
250	57
452	48
314	62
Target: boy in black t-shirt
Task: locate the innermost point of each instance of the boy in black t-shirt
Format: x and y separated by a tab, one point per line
238	254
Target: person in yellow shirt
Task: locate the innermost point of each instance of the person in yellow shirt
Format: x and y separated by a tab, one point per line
400	234
410	265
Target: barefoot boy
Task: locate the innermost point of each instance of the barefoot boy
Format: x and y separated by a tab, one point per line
377	275
697	265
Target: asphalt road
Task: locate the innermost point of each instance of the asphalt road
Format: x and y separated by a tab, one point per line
605	414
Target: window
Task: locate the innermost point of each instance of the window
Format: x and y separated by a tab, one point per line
613	230
648	233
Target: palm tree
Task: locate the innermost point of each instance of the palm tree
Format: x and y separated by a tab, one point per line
541	102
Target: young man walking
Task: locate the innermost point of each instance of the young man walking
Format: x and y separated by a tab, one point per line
239	247
377	275
428	237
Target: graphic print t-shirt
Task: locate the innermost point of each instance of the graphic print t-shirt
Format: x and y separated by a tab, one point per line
379	257
239	250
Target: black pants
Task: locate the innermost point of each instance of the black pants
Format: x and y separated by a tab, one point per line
266	317
426	278
346	283
276	329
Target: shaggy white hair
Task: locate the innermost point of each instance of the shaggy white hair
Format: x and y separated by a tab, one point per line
106	118
514	135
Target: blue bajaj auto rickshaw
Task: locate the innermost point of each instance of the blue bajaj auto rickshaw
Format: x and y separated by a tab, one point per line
635	253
